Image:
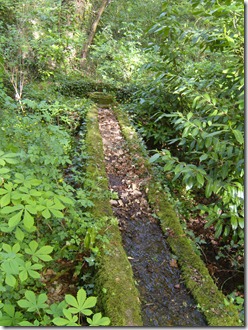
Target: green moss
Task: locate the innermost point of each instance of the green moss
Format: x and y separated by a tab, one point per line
102	99
117	294
195	274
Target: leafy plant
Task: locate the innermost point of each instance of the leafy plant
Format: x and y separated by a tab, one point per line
80	306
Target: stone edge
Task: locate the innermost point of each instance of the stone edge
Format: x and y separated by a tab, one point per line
194	272
117	294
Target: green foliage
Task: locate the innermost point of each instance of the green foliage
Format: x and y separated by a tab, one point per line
117	61
98	320
193	106
69	312
238	302
80	306
33	303
188	101
81	87
35	198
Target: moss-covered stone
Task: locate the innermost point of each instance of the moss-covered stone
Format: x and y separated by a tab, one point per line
102	99
195	273
117	294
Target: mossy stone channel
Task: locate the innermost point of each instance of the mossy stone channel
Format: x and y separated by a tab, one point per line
164	299
120	299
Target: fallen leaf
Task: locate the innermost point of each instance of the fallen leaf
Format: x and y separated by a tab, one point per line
173	263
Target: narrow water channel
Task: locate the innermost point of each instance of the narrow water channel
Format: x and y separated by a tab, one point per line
164	298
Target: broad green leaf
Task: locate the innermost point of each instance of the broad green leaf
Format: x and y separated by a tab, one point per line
23	275
46	214
81	297
239	136
208	190
207	97
35	182
90	302
13	221
43	253
60	322
29	269
241	223
42	298
81	304
57	213
10	160
19	234
33	274
32	303
35	193
19	177
31	208
66	200
98	320
234	222
154	158
87	312
5	200
71	300
56	309
9	309
30	295
4	170
29	324
3	191
11	266
23	303
69	321
189	115
28	220
168	166
16	248
11	209
58	205
33	245
7	247
6	321
200	179
218	230
10	280
203	157
12	318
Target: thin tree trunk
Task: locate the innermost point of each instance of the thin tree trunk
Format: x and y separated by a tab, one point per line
93	31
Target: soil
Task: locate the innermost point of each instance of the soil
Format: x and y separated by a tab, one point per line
225	275
164	298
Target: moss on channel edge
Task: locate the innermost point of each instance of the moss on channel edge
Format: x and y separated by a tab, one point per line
194	272
118	297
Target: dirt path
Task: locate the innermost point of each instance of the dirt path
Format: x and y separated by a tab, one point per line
165	300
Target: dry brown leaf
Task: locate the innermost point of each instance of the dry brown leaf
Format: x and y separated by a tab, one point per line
173	263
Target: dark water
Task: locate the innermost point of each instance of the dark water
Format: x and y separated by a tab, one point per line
163	304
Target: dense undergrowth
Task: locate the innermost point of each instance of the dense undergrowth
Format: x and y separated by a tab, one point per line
190	112
177	69
44	217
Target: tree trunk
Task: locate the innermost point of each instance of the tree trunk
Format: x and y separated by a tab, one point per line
93	31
